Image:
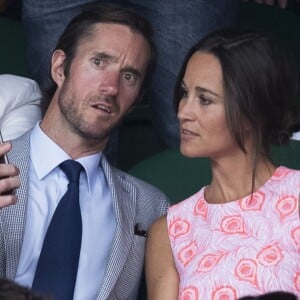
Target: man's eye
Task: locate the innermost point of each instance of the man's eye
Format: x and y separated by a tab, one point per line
98	61
129	77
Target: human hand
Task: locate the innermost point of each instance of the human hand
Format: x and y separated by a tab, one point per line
8	179
281	3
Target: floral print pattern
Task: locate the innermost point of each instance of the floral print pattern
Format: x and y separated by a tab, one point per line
250	246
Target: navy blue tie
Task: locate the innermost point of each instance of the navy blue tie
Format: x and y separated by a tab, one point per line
58	262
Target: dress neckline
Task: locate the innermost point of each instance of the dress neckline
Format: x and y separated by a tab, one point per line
278	173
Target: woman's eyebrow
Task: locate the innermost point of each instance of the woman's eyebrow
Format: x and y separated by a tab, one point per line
200	89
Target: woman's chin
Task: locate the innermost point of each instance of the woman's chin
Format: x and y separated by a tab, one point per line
188	152
192	152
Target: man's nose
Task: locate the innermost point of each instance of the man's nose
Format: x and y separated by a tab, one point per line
110	83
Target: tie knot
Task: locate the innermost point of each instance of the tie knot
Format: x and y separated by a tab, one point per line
72	169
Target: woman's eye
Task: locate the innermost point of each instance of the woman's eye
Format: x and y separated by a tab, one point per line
184	93
204	100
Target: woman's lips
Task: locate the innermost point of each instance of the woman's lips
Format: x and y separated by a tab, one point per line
187	132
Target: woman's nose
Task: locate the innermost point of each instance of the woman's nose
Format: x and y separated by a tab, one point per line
185	109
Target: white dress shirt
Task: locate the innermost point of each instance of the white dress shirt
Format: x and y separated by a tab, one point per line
47	184
20	99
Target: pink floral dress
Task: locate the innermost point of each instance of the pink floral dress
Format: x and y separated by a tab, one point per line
241	248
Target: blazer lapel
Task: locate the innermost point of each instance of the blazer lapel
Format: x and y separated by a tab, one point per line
14	216
124	201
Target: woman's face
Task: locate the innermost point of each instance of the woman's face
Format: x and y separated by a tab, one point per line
203	128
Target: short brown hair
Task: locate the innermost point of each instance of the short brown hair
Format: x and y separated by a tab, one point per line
81	27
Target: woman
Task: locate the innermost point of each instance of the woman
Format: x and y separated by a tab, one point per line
240	235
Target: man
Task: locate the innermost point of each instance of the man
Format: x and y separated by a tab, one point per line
177	25
98	67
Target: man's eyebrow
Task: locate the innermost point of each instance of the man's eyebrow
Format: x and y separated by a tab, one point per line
113	58
132	70
105	55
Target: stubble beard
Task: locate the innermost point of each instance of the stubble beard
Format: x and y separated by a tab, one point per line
78	125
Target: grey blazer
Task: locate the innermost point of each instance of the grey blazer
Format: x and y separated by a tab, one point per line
135	202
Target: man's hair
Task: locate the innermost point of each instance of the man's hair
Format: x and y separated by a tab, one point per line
81	27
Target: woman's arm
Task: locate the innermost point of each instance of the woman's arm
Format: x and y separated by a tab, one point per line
161	274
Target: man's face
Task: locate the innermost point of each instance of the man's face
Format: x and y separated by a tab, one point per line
104	81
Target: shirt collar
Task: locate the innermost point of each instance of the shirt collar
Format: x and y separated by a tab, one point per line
46	155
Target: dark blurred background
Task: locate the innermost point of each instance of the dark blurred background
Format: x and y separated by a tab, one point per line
137	140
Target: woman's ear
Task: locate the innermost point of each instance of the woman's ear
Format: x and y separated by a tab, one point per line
58	66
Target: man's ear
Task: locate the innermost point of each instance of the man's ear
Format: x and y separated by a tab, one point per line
58	66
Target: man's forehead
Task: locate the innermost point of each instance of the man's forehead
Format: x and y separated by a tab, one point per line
109	29
114	39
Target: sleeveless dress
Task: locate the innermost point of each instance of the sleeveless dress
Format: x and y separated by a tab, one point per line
250	246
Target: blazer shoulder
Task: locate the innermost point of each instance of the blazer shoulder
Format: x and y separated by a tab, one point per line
147	195
141	185
20	148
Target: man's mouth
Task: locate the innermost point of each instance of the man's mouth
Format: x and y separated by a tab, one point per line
103	106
